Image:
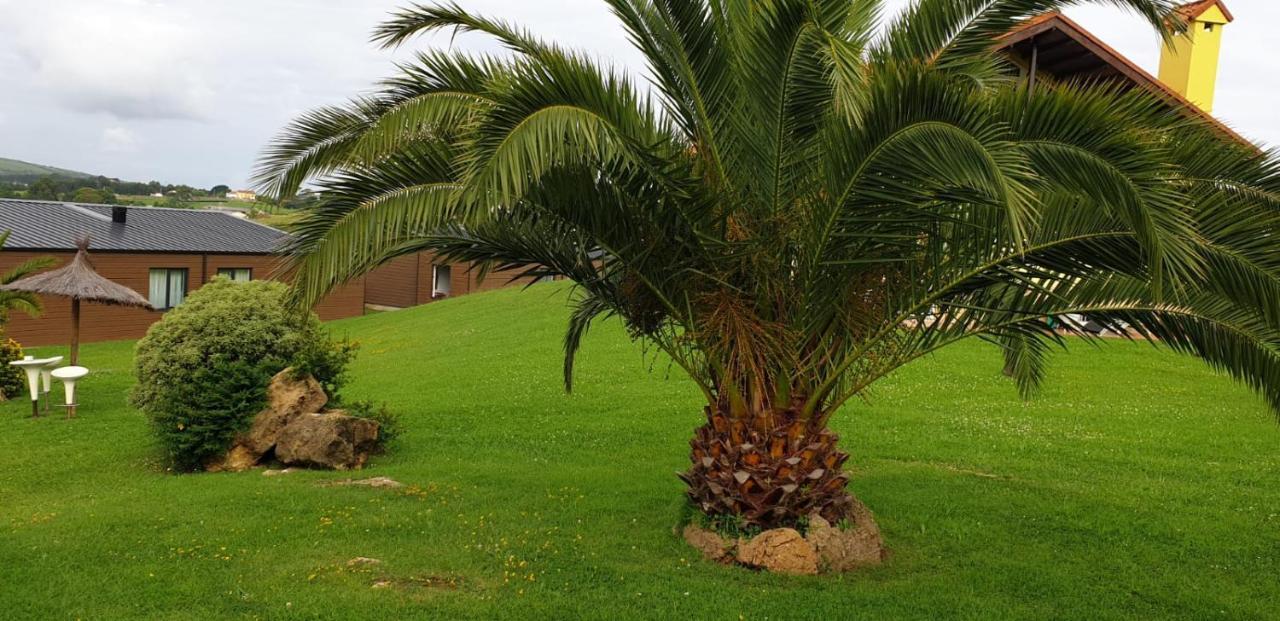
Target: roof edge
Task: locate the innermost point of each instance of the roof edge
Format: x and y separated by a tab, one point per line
1049	21
1193	10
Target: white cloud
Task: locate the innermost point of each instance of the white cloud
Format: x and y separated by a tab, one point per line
131	59
119	139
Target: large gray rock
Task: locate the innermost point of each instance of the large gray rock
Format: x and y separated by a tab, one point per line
328	440
288	397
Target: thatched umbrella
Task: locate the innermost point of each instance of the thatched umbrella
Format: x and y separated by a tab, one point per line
78	281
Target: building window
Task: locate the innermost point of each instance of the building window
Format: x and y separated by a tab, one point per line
441	281
236	274
1208	26
168	287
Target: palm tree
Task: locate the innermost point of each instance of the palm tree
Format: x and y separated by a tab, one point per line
804	199
28	303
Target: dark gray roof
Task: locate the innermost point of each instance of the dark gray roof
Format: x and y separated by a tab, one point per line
46	225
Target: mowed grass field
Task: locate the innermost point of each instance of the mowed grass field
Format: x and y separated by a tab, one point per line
1141	485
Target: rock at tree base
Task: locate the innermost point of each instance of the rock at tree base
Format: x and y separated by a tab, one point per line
329	440
823	548
710	544
780	550
843	550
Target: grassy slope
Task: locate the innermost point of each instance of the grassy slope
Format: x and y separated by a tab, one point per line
18	168
1140	486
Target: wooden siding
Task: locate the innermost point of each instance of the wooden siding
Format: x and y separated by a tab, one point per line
407	281
105	323
394	284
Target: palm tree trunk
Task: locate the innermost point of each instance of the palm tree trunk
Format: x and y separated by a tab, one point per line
770	470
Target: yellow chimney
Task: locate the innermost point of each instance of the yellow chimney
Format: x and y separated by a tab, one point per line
1189	65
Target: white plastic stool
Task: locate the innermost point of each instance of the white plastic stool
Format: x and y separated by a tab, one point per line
69	376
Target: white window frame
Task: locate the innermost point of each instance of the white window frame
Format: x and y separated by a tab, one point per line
165	294
439	289
230	273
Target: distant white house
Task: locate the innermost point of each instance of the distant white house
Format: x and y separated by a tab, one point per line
242	195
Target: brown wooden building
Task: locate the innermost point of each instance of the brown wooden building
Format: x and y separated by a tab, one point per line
423	278
164	254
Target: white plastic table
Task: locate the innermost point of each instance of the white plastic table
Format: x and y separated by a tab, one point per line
34	367
69	376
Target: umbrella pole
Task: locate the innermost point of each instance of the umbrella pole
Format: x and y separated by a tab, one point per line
75	344
75	331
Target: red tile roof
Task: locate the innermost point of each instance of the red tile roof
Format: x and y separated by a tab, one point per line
1192	10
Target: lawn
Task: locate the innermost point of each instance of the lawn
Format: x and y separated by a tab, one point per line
1140	485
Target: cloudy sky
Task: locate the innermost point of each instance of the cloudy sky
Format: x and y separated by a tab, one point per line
188	91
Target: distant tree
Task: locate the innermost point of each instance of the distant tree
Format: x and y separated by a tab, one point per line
91	195
219	190
44	189
180	197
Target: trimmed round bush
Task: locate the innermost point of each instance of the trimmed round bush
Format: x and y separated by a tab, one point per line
203	369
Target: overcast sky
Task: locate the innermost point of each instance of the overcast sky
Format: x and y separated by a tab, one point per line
189	91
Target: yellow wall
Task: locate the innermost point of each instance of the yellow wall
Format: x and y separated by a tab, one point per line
1190	65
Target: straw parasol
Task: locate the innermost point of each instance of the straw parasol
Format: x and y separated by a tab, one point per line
78	281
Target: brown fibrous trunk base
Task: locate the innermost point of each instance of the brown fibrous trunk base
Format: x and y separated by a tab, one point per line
767	471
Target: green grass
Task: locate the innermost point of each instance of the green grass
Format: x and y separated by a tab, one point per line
283	220
1140	486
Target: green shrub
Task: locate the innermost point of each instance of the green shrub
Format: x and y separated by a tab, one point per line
13	380
206	411
327	361
388	422
202	370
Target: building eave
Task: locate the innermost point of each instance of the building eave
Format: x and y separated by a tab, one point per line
1057	21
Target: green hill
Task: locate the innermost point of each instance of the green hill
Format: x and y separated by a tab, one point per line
18	171
1139	485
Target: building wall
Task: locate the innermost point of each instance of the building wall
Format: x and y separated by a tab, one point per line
103	323
394	284
407	281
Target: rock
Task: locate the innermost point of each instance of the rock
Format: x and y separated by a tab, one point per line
381	584
780	550
276	473
363	561
846	549
237	459
287	398
328	440
386	482
711	545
